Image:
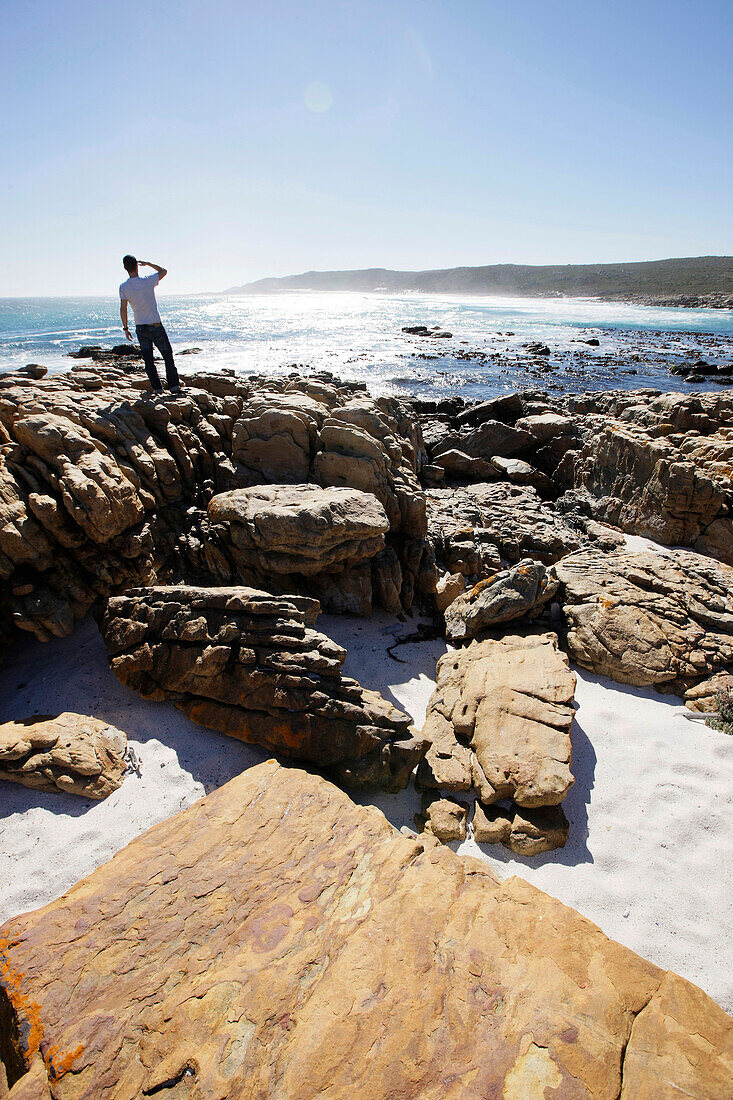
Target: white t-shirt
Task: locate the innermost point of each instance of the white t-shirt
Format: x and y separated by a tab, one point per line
139	291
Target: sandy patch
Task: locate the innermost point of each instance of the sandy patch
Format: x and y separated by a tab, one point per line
648	857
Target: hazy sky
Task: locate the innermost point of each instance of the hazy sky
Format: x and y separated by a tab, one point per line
230	140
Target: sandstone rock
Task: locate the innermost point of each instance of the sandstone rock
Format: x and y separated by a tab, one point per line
476	529
546	426
499	721
506	408
449	586
658	466
103	489
276	940
300	528
525	832
443	818
456	464
491	437
521	473
704	697
652	618
250	665
516	593
70	752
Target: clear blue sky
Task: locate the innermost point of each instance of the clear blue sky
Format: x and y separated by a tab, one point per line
199	134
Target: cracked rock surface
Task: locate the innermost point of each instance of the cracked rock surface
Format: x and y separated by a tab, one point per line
477	529
251	665
658	465
499	724
103	488
275	939
663	619
69	752
517	593
301	538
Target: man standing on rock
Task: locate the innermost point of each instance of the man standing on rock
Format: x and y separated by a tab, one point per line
139	291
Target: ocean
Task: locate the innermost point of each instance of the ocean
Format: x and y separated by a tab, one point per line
358	336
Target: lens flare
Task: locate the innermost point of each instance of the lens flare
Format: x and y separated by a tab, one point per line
318	97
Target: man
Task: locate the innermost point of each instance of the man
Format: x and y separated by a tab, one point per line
139	291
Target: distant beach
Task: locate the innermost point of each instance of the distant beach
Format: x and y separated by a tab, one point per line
359	336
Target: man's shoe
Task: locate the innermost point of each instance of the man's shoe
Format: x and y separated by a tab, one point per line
175	389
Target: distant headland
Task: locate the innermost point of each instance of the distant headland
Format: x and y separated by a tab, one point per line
701	281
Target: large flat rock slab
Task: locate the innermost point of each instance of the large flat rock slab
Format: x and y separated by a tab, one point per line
277	940
663	619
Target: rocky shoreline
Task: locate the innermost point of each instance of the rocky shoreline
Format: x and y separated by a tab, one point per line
206	531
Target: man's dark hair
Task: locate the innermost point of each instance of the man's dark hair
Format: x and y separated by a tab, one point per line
129	263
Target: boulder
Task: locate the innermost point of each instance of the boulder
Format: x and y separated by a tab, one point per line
275	939
546	426
491	437
506	408
300	528
705	696
459	466
522	473
658	465
251	665
449	586
67	752
524	832
517	593
663	619
444	818
499	721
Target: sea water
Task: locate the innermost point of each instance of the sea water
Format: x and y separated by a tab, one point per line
358	336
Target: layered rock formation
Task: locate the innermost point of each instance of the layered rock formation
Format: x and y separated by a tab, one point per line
518	593
69	752
251	665
499	723
653	618
300	538
658	466
102	488
652	464
275	939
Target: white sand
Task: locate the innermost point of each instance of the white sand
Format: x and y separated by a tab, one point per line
648	857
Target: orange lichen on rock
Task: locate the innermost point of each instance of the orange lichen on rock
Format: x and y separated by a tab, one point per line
22	1005
59	1064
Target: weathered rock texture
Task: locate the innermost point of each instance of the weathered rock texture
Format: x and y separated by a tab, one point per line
68	752
277	940
525	832
652	618
103	488
477	529
300	538
499	722
653	464
658	465
517	593
251	665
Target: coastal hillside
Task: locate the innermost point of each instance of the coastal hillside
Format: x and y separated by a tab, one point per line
701	280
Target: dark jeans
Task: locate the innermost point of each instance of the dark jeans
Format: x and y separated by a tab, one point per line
156	334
